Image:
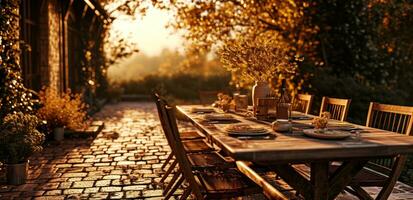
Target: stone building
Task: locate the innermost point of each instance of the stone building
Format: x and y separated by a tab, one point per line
59	37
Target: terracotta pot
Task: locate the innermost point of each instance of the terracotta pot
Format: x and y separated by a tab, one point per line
59	134
261	89
17	173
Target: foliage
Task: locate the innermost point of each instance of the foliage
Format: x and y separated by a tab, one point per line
369	40
224	102
66	110
322	121
349	87
14	97
259	59
114	92
19	138
167	63
178	86
117	47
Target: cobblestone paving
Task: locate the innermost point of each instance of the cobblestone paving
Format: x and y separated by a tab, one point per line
123	161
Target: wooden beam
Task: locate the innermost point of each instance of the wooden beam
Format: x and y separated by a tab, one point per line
343	176
85	9
269	191
360	192
66	12
319	180
294	179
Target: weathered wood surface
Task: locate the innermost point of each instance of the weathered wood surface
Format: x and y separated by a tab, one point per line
295	147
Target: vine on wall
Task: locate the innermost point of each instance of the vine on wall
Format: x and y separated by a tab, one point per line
14	97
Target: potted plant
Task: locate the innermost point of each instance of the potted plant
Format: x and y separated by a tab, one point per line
61	111
259	59
19	139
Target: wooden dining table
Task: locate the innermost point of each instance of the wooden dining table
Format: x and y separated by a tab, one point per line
282	150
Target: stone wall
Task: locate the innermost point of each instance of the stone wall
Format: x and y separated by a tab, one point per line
50	44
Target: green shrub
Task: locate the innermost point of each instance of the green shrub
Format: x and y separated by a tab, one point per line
181	87
361	95
19	138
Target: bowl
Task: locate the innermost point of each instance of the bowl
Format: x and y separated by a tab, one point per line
281	125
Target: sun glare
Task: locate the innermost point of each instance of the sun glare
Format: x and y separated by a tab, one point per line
149	32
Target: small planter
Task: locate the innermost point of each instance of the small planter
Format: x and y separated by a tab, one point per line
59	134
17	173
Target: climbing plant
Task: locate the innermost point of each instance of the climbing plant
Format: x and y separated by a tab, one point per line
14	97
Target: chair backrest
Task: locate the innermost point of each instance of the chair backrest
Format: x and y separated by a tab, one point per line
302	103
208	97
180	153
397	119
338	108
392	118
160	105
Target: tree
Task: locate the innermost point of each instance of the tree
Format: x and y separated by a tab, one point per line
369	40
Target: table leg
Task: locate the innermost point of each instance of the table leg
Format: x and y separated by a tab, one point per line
319	180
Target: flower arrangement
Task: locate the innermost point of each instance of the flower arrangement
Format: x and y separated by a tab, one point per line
19	138
66	110
224	102
322	121
260	58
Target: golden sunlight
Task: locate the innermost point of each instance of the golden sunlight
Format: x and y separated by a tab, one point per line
149	31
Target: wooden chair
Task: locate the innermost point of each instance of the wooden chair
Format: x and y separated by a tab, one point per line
193	144
207	184
186	135
208	97
302	103
338	108
199	159
384	172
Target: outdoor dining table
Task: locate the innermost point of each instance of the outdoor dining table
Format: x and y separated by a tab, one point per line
284	149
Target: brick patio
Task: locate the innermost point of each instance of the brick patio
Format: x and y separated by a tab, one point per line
123	161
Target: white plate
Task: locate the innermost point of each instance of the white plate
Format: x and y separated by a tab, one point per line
327	134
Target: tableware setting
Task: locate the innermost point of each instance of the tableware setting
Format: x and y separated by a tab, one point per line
218	118
202	110
281	125
343	127
323	129
246	130
326	134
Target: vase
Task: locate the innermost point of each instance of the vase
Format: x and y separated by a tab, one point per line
17	173
260	90
59	133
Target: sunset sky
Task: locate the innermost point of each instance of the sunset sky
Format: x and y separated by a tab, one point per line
149	32
150	35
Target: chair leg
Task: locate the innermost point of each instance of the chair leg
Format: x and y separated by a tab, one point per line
186	193
168	171
167	160
359	192
171	183
391	182
174	188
